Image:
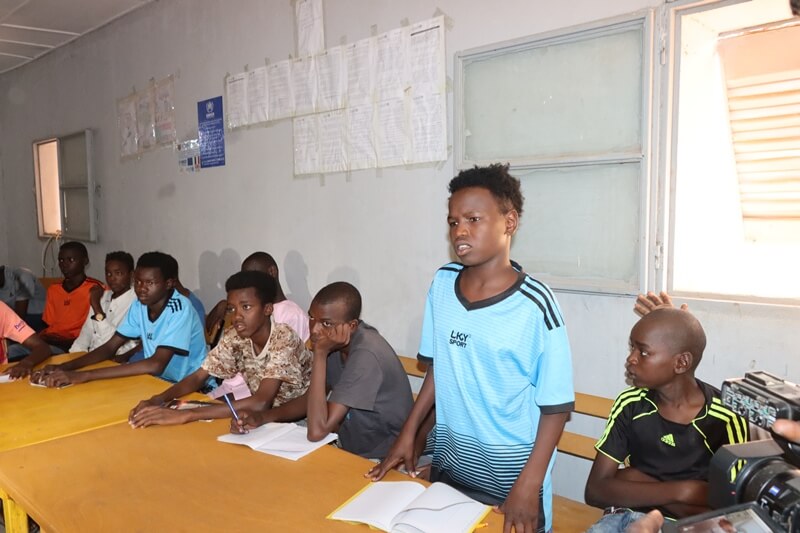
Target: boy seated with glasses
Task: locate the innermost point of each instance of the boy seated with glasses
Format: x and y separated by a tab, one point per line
370	396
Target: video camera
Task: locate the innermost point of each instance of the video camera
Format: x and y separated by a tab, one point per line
754	486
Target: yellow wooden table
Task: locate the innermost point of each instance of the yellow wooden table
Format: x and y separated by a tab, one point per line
180	478
30	414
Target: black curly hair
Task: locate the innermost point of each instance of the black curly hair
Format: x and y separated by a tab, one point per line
496	179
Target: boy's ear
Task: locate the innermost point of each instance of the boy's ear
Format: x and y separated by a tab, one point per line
273	271
268	309
353	324
683	362
170	283
512	222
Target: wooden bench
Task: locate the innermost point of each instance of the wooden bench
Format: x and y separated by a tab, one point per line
568	515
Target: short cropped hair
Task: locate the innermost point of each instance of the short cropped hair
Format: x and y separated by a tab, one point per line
123	257
263	260
341	291
496	179
164	262
76	246
262	283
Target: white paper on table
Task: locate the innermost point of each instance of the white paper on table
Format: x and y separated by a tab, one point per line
257	95
310	27
361	137
304	85
392	133
5	378
306	145
428	128
279	90
358	66
332	146
236	111
389	64
426	59
330	79
283	440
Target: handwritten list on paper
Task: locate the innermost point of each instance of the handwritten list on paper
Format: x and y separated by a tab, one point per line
377	102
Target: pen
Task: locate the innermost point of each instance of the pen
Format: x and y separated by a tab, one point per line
230	406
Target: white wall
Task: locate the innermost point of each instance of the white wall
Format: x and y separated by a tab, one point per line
383	230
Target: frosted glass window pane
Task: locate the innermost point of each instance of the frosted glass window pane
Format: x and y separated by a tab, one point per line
73	160
76	213
581	222
579	98
47	183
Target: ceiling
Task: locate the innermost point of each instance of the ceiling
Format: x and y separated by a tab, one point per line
31	28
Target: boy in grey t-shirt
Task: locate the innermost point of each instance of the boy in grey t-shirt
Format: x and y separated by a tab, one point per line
370	396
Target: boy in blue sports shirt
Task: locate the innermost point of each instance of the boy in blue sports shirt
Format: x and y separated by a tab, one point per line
170	331
501	374
666	427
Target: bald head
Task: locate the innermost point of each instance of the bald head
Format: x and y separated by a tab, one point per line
344	293
260	262
679	330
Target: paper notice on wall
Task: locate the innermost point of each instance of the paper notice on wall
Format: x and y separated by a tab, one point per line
257	95
163	92
237	114
392	133
330	79
428	128
145	119
306	145
304	85
310	33
358	65
126	127
426	58
189	155
332	148
279	90
361	137
389	64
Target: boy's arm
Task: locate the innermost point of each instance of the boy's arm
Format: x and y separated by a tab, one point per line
157	415
521	507
154	365
21	307
323	416
40	351
607	486
187	385
290	411
101	353
403	450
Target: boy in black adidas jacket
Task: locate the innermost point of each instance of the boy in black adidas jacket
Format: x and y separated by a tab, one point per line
664	429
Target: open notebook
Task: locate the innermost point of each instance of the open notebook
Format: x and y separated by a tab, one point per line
410	507
284	440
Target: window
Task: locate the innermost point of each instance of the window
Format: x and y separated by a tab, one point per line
570	111
65	186
728	165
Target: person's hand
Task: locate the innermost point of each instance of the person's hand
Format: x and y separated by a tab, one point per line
19	371
400	454
152	415
62	378
247	420
652	301
521	510
650	523
789	429
332	339
152	402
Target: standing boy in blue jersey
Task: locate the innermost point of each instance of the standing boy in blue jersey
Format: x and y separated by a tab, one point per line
164	320
501	374
666	427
